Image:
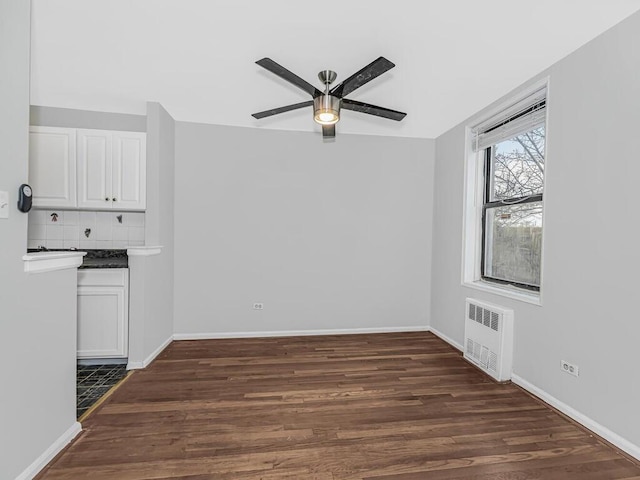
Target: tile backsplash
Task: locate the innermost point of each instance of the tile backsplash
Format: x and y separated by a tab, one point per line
85	229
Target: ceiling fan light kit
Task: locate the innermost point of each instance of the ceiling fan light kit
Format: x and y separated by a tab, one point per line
327	104
326	110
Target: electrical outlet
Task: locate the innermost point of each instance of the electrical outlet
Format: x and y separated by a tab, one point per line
258	306
569	368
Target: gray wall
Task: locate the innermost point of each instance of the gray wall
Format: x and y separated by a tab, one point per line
152	277
591	255
70	118
326	235
159	225
37	312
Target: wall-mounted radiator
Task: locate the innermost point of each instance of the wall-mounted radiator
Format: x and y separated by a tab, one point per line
488	338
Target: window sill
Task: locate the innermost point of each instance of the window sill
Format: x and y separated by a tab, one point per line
506	291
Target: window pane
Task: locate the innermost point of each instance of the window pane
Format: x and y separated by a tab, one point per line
518	165
513	243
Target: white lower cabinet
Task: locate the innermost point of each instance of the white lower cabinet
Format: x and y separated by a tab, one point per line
103	313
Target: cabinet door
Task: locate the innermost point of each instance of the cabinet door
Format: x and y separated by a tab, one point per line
129	170
52	166
102	322
94	169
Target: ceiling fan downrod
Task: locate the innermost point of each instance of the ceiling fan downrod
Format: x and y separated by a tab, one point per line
327	77
326	107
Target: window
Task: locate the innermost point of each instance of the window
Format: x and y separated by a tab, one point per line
512	210
507	157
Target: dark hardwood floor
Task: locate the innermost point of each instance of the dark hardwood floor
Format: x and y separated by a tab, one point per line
400	406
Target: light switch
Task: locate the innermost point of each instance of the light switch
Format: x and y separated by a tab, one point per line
4	204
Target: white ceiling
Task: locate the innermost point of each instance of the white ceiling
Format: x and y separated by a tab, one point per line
196	57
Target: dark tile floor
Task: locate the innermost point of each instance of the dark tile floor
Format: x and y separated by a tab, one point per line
93	381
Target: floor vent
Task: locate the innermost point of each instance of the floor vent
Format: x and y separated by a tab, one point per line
488	338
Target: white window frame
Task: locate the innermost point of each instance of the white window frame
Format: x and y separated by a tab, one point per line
474	183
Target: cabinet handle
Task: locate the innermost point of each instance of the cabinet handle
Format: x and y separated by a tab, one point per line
106	199
114	199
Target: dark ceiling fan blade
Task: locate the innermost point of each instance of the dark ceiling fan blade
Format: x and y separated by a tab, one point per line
372	109
288	108
329	131
290	77
358	79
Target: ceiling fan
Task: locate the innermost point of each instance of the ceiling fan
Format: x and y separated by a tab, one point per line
326	105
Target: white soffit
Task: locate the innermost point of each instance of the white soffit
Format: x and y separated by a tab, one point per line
196	57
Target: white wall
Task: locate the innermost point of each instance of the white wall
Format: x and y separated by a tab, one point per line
591	256
152	278
72	118
38	312
160	226
327	235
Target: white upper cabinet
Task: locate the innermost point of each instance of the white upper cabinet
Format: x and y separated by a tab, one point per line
52	166
129	168
94	168
111	170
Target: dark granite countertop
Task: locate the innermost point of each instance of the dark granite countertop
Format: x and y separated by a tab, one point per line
105	259
96	258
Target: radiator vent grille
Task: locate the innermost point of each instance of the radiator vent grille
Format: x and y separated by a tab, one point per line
472	312
482	355
489	338
494	325
484	316
493	362
473	348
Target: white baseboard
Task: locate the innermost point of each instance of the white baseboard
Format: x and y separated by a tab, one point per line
611	437
147	361
55	448
295	333
447	339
